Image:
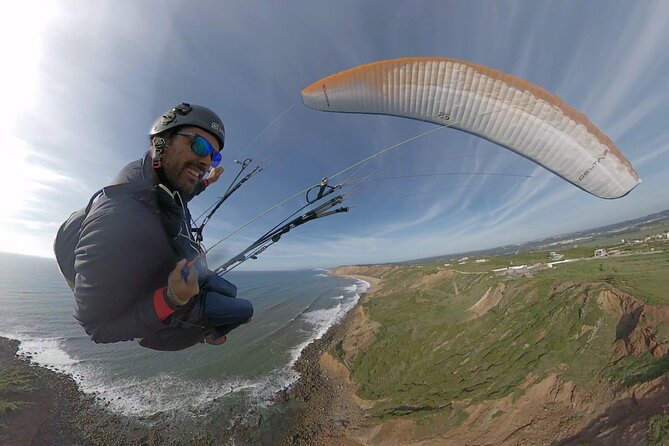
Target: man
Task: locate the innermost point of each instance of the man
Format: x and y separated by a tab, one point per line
125	255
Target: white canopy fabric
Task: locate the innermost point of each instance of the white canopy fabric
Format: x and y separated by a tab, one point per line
494	105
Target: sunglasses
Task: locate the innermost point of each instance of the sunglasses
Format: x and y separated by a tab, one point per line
202	147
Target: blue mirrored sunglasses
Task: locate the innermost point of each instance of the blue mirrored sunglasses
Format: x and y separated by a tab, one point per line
202	147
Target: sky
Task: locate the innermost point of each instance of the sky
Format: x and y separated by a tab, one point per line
84	81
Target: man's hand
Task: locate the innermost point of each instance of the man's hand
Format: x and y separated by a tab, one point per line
180	291
215	175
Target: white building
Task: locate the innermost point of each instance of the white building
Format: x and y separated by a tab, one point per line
600	252
554	256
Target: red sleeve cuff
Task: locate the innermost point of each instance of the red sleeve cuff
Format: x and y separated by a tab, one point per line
205	182
160	304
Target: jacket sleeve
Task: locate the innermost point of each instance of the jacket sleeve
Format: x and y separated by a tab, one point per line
114	276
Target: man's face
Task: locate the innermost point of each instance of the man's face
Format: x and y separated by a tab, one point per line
183	167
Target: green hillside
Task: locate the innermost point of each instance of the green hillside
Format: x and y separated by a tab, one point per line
433	356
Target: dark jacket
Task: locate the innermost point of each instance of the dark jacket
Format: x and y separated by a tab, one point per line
129	240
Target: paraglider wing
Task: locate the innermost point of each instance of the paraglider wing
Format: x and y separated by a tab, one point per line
494	105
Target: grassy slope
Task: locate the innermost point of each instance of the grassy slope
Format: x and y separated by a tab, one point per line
15	385
430	353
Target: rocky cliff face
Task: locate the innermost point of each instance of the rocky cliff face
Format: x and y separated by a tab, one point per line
573	396
637	329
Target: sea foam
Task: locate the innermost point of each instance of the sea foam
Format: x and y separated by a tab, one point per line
169	391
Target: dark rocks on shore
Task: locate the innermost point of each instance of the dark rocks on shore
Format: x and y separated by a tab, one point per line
58	413
325	412
281	396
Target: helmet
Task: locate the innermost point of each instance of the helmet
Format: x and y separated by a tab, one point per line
195	115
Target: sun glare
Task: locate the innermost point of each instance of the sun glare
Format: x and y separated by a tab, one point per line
24	25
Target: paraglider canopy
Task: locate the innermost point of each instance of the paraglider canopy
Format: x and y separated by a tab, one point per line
506	110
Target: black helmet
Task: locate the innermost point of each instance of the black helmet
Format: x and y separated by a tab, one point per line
195	115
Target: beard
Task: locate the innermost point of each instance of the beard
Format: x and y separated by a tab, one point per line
179	178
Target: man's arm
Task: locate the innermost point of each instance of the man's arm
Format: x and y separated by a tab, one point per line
114	273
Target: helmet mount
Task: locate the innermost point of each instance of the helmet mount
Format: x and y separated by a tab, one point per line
158	144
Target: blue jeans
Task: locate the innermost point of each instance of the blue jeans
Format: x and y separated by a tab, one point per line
222	309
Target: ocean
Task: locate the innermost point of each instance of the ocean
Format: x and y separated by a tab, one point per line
214	388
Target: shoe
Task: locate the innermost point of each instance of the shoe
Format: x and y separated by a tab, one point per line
208	340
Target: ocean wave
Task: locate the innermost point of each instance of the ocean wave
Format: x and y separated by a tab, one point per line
45	352
350	288
362	286
170	393
48	353
140	397
110	375
321	320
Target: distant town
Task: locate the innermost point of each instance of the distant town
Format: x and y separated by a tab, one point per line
637	231
654	243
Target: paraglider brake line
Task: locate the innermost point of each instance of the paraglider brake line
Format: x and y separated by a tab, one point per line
243	164
234	185
275	234
267	127
323	190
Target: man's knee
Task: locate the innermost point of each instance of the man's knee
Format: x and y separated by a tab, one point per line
219	285
247	309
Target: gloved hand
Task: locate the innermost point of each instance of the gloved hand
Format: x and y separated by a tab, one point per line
180	291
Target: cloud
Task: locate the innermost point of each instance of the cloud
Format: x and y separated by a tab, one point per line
101	79
655	149
643	37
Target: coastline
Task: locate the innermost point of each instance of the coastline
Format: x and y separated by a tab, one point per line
55	411
332	414
322	407
327	404
372	281
51	410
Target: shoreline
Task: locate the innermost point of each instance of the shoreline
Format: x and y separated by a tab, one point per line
57	412
52	410
324	392
321	407
372	281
